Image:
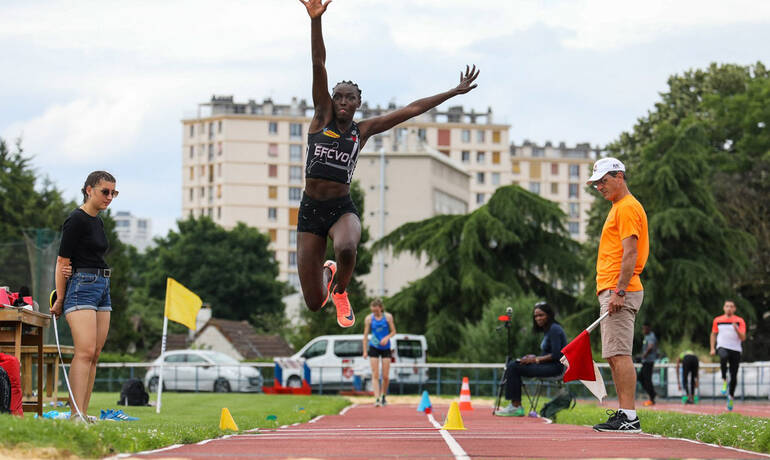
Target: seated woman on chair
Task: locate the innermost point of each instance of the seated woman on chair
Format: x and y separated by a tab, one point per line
545	365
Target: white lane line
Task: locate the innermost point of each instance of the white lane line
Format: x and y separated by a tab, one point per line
345	410
456	449
694	441
316	419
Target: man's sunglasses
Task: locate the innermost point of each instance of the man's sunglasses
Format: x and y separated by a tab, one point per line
106	192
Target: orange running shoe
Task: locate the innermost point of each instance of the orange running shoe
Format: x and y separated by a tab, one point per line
332	266
649	402
345	316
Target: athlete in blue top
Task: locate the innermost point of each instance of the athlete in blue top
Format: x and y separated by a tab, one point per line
334	141
377	348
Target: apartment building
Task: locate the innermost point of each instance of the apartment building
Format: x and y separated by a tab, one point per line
133	230
410	181
557	173
244	161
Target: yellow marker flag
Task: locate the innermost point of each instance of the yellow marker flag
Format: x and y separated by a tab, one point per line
182	304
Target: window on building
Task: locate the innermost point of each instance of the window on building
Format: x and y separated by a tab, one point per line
203	170
534	170
219	169
294	280
534	187
292	258
293	216
295	130
495	178
292	237
495	158
272	170
443	137
466	135
219	190
219	126
554	169
192	130
272	192
295	153
538	152
203	192
211	152
211	194
574	190
211	173
480	136
574	171
574	210
496	137
210	212
219	149
219	212
574	228
273	234
422	134
516	167
554	188
479	198
272	127
295	194
192	173
192	152
481	158
141	224
272	150
479	177
211	129
295	173
192	194
272	213
465	156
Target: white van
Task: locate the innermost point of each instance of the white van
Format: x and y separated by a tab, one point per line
336	359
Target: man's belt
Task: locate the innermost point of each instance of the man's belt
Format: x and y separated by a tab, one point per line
105	272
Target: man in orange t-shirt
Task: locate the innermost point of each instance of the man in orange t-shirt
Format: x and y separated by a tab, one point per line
623	250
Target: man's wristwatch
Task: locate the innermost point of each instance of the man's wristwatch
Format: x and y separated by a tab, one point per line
620	293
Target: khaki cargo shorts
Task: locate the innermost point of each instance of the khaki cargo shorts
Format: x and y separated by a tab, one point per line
618	328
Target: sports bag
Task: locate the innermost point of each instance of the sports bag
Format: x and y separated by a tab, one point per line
133	393
563	400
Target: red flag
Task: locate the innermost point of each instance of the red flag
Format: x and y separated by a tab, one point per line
581	363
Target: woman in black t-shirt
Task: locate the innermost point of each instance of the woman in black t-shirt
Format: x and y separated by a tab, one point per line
83	285
334	141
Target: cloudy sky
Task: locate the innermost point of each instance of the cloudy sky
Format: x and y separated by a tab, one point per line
104	84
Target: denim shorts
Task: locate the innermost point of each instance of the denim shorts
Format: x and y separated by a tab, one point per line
87	291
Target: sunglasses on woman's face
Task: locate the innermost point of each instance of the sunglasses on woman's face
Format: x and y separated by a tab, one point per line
106	192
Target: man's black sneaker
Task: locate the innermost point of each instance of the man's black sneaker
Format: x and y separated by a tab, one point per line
383	400
619	422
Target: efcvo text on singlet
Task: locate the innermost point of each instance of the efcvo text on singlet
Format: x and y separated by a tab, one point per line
331	154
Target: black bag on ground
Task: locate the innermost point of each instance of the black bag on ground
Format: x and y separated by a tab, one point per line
133	393
5	392
563	400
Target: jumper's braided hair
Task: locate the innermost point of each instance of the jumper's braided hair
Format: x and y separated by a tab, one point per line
343	82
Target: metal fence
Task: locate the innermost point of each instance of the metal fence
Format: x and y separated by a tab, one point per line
484	378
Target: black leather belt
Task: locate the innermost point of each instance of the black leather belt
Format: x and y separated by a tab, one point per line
105	272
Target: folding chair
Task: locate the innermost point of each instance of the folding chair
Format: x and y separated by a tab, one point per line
541	386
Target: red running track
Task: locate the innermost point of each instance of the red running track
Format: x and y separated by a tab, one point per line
399	431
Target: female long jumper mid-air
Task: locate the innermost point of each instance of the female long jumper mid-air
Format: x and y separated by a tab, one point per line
334	141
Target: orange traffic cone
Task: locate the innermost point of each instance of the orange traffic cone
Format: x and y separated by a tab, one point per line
465	395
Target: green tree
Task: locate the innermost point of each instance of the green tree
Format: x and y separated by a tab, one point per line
516	244
324	321
485	340
233	270
725	109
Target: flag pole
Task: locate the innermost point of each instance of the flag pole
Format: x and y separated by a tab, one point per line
589	328
162	361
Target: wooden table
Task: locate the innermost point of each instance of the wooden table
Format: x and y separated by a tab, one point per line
51	362
18	328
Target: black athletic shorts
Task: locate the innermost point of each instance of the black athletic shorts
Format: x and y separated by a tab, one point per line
317	217
375	352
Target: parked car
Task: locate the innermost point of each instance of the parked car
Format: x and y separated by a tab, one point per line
336	359
206	370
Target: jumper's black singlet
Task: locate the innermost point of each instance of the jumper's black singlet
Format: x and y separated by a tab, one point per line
332	154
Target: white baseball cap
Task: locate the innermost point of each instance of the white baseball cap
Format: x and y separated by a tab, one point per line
603	166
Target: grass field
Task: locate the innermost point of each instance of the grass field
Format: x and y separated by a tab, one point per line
729	429
185	418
